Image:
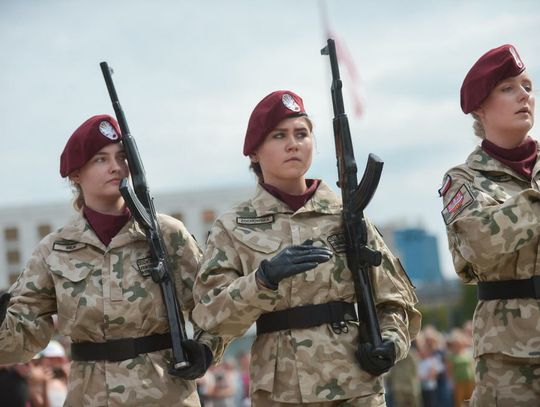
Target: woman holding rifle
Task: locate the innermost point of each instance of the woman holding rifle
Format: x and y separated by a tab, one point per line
278	260
95	274
492	216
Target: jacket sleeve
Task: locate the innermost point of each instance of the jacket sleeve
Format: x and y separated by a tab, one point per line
394	297
481	229
228	298
28	325
185	257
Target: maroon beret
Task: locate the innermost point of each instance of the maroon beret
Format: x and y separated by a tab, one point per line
492	67
268	113
91	136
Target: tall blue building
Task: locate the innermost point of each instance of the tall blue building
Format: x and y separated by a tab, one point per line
419	254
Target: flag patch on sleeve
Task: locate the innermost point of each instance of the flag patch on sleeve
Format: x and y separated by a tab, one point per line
447	183
457	204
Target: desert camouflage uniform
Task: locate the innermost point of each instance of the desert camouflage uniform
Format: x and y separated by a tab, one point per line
299	365
103	293
493	224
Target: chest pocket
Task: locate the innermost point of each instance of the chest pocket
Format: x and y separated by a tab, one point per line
72	278
255	246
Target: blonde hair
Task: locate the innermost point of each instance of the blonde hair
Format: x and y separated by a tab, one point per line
478	127
78	196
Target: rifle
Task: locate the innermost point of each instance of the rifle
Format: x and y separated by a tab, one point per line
141	205
355	198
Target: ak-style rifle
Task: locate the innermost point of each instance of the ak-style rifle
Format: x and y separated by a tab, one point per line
141	205
355	197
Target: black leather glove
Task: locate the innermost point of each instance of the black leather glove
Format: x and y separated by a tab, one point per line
199	355
4	301
290	261
376	361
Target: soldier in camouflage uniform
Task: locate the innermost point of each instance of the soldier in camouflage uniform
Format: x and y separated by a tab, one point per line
278	259
492	215
94	274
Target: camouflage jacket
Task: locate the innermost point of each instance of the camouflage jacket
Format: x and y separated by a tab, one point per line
492	217
299	365
102	293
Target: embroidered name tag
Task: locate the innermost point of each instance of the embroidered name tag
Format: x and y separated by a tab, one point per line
145	266
67	246
457	204
261	220
337	242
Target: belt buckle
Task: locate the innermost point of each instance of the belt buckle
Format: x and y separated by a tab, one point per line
339	327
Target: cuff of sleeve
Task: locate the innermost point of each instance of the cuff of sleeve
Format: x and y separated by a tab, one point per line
401	348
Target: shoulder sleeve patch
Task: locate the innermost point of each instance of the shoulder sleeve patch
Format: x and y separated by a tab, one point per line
457	204
67	246
447	183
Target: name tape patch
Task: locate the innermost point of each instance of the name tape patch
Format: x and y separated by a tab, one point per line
261	220
67	246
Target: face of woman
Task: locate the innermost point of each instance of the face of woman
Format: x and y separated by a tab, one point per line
100	178
508	111
286	153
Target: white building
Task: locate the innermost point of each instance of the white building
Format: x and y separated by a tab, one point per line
22	227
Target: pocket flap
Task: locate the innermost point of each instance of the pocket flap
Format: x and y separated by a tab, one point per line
260	242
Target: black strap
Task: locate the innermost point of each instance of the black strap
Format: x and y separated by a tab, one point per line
509	289
119	349
306	316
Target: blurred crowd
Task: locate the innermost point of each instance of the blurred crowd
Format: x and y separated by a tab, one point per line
438	372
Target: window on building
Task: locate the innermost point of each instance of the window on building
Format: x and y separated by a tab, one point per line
178	215
12	277
13	257
11	234
208	216
44	230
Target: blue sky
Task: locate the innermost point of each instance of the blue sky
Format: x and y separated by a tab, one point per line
189	73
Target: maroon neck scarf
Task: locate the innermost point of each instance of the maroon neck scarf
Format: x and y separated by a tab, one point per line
294	202
521	158
106	226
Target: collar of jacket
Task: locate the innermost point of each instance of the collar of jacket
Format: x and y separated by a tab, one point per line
79	230
324	200
482	161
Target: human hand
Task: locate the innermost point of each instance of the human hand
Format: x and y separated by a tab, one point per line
199	355
379	360
291	261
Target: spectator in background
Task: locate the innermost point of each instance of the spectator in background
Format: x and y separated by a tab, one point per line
225	385
460	367
53	359
403	381
244	360
14	385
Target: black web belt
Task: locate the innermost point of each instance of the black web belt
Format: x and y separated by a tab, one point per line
119	349
509	289
306	316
